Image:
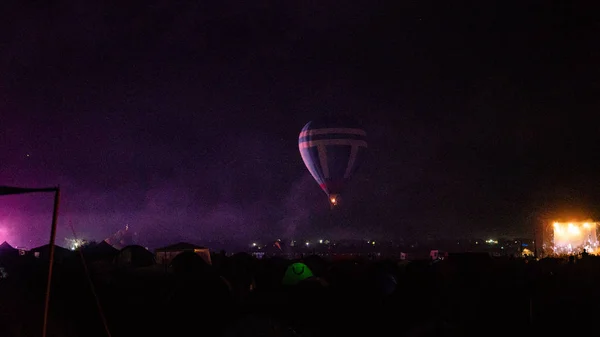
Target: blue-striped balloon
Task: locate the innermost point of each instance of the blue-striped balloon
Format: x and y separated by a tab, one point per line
332	151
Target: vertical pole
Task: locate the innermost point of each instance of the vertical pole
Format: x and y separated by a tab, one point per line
331	222
51	262
165	262
535	241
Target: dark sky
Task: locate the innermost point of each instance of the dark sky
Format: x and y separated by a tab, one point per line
180	118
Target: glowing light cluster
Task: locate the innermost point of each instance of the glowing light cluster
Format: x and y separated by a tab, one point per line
574	237
75	243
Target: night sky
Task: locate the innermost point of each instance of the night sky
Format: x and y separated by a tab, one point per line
181	118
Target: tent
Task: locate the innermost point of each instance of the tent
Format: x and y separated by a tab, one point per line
8	250
43	252
99	251
296	273
166	255
526	252
134	256
189	262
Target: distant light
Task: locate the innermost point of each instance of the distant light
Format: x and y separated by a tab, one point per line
501	247
254	244
307	243
320	241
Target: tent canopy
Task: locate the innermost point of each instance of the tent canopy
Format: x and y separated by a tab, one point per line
181	246
6	247
296	273
134	256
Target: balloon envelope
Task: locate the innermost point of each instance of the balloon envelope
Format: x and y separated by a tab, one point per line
332	151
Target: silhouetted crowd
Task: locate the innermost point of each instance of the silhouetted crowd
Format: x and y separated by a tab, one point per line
239	295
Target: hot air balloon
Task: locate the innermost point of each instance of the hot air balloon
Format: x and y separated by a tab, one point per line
332	152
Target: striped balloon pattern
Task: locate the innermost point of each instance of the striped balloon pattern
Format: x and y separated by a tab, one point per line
332	152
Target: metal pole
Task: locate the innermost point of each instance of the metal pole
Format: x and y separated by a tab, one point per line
51	262
535	241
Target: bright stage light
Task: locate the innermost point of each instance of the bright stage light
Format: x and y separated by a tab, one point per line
574	237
